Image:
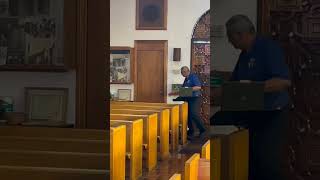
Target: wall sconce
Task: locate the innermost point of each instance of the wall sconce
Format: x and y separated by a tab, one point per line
176	54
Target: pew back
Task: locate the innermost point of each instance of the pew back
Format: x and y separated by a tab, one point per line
191	167
149	135
134	139
117	152
174	118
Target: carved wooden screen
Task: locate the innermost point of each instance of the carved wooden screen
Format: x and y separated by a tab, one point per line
296	25
200	61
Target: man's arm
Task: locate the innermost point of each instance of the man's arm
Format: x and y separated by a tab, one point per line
196	83
276	85
278	70
196	88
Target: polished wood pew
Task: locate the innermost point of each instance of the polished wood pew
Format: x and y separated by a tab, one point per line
215	158
117	152
230	155
205	150
196	168
53	153
184	122
53	144
48	132
150	125
134	141
183	117
45	173
163	127
54	159
191	167
174	118
175	177
204	169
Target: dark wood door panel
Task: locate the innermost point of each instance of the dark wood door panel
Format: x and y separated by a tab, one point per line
151	71
296	25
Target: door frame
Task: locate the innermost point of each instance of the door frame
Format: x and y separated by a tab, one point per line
165	67
89	67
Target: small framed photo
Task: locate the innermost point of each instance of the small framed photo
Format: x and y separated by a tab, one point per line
124	94
46	104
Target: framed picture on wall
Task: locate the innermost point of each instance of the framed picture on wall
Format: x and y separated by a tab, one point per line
151	14
46	104
124	94
121	65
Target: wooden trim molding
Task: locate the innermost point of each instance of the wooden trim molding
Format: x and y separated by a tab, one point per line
82	16
263	17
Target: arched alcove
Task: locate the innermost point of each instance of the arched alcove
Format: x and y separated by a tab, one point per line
200	60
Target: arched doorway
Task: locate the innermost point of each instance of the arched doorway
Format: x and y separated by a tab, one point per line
200	61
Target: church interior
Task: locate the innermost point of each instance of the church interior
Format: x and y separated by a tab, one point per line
89	88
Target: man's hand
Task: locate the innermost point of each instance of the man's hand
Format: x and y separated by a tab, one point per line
276	85
196	88
173	94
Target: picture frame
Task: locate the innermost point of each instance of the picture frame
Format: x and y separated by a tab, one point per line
124	94
121	65
151	14
46	104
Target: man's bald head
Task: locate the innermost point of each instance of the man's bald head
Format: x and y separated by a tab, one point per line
185	71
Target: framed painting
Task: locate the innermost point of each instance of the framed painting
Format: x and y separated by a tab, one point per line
121	65
151	14
46	104
124	94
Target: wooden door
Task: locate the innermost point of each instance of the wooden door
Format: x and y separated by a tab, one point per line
151	71
295	24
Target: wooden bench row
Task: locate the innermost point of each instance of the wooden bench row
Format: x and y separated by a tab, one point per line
194	164
158	120
178	116
228	157
53	153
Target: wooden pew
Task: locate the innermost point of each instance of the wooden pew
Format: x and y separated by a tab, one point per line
215	158
174	118
134	139
54	159
175	177
204	169
205	150
191	167
184	122
45	173
150	125
230	155
183	117
53	153
117	152
53	144
163	127
62	133
239	154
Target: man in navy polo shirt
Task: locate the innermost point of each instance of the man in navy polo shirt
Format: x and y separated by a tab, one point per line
192	80
261	60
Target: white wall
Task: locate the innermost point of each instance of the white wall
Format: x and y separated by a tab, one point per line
13	83
224	56
182	17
